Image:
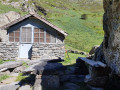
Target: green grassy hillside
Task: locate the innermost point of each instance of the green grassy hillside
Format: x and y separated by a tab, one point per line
82	33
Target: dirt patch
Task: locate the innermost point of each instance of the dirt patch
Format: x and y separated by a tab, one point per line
9	80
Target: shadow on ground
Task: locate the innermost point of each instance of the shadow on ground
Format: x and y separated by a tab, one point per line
52	75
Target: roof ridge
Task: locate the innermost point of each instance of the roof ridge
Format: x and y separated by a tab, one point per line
32	13
37	16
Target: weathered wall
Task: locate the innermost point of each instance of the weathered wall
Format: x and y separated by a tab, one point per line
111	43
4	35
48	51
9	51
39	51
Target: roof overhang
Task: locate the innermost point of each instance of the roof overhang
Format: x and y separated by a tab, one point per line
7	26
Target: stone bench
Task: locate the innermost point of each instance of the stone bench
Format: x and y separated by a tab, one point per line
93	63
98	72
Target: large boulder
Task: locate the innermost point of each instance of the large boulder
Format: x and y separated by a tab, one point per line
26	87
70	70
97	82
45	68
92	51
72	78
46	82
71	86
51	81
111	42
114	83
37	84
99	71
19	69
12	86
10	65
8	17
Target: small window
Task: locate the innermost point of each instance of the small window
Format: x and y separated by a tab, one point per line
26	34
48	37
14	36
53	39
38	35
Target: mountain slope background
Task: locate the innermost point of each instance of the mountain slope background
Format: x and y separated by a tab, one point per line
81	19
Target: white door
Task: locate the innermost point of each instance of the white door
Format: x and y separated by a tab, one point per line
25	49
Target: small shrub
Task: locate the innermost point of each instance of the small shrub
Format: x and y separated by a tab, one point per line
84	16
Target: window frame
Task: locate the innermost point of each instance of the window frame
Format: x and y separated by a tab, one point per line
14	36
45	38
39	35
32	35
20	41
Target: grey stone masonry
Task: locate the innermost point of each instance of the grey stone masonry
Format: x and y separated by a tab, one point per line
48	51
9	51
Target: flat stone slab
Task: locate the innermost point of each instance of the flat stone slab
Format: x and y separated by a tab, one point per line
8	65
12	86
92	62
45	68
26	87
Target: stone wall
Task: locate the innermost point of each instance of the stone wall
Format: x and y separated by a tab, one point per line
48	51
9	51
4	35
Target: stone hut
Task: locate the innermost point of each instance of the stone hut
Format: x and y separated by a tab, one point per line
31	37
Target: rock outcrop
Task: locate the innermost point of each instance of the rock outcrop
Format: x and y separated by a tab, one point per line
109	51
8	17
111	43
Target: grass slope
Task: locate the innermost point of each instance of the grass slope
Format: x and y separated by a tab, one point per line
82	34
70	58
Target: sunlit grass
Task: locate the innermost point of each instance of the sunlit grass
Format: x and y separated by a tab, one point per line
7	8
3	61
20	77
82	34
70	58
3	77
